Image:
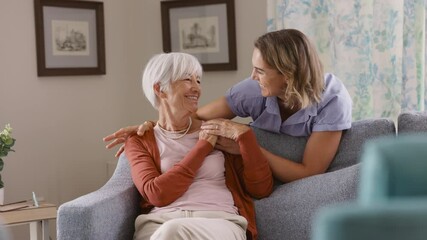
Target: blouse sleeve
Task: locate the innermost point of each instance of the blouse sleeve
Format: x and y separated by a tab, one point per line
335	111
255	172
244	99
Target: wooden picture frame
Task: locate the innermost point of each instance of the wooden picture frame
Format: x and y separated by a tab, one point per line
203	28
69	37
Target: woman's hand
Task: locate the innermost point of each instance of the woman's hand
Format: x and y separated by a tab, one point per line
227	145
208	137
122	134
225	128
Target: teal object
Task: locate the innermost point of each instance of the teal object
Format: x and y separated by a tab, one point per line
398	220
394	169
392	198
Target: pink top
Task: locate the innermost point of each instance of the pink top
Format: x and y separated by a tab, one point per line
247	176
208	191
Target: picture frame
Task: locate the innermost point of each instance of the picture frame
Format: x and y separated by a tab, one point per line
69	37
203	28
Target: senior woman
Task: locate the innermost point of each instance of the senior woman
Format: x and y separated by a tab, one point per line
189	189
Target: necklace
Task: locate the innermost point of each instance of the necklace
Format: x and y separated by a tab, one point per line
175	134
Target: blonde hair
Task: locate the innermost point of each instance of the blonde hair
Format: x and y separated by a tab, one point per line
165	68
290	52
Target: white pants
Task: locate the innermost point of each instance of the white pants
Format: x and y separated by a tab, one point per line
188	225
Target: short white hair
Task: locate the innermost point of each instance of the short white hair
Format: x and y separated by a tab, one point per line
165	68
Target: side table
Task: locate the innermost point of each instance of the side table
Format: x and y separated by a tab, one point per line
37	217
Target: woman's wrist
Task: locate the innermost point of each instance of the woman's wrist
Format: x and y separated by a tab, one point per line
240	130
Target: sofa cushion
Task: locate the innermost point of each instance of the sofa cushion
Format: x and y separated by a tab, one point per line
412	122
348	151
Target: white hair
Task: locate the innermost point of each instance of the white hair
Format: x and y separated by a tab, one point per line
165	68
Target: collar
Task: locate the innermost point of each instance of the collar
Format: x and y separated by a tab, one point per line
272	106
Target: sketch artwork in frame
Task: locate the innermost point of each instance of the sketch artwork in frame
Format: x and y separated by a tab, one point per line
69	37
203	28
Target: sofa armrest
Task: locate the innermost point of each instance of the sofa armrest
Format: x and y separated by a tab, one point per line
107	213
4	233
288	212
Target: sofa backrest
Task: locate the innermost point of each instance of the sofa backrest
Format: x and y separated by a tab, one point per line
412	122
349	150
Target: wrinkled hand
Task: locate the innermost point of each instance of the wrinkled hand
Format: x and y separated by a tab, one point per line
227	145
208	137
122	134
225	128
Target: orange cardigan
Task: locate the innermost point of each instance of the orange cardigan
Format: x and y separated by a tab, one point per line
247	175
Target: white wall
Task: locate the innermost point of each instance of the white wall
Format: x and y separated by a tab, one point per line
59	122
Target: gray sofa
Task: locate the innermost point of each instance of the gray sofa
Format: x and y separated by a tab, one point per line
109	212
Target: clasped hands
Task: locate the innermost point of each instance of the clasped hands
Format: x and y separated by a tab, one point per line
226	130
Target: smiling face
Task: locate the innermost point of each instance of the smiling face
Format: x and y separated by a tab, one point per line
182	98
271	81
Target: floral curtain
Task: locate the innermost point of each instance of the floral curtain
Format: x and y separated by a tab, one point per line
376	47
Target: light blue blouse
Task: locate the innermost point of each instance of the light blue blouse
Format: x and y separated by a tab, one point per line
332	113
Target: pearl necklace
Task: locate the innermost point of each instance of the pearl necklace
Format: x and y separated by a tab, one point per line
175	134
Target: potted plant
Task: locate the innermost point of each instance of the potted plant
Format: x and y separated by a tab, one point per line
6	144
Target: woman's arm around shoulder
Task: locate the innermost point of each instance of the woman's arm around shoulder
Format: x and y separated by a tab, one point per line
216	109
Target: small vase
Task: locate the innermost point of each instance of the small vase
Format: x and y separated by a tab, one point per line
2	196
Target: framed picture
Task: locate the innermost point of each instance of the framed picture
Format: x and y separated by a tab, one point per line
203	28
69	37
